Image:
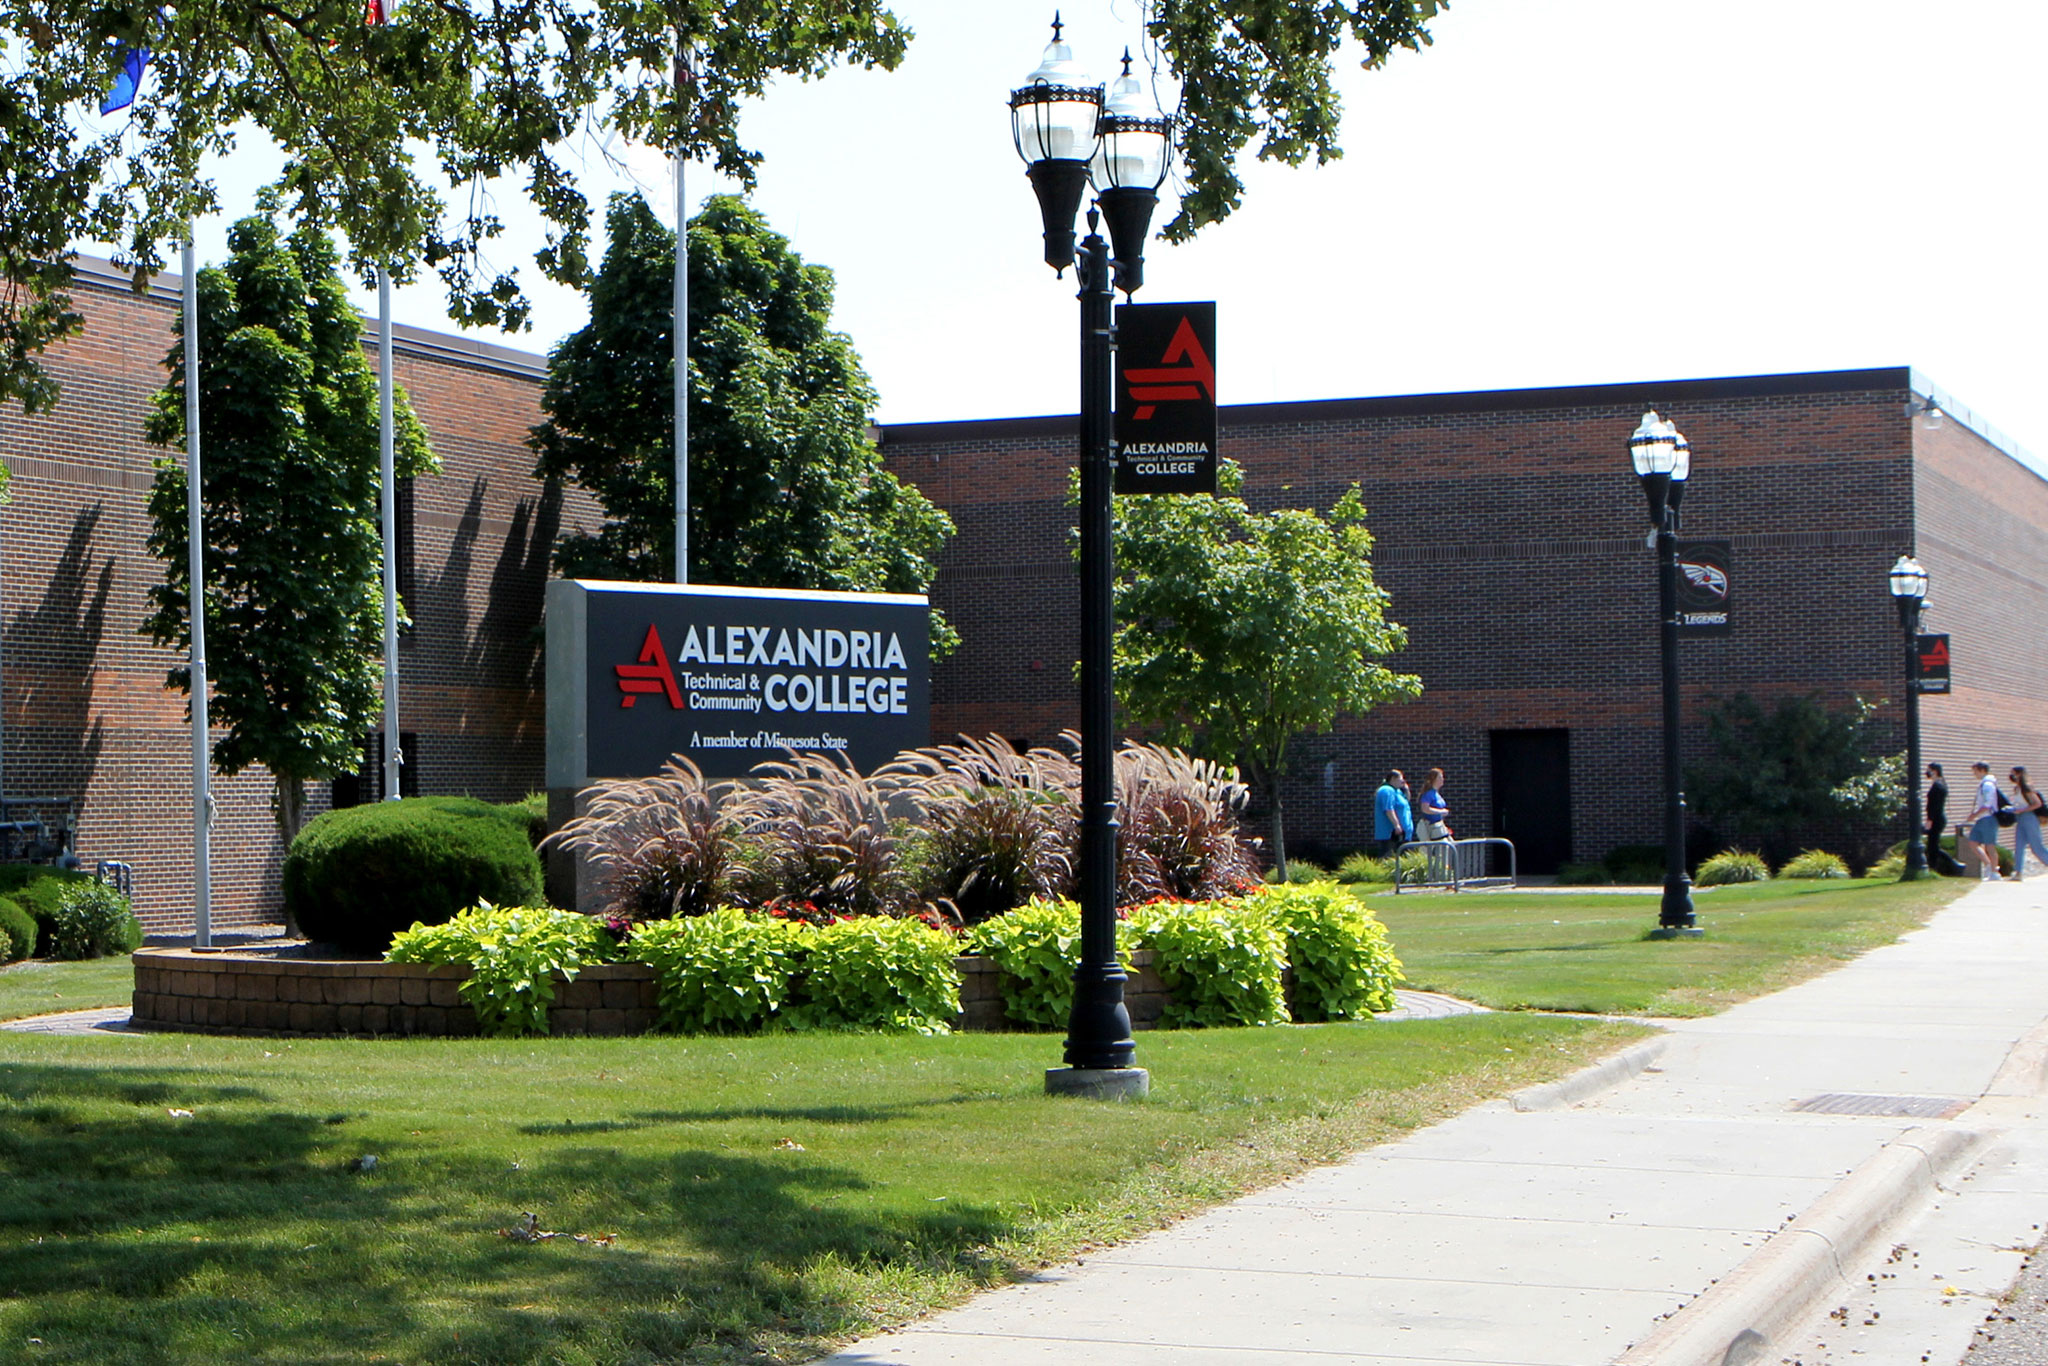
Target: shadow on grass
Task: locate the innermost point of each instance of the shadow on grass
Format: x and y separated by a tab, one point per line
128	1234
820	1114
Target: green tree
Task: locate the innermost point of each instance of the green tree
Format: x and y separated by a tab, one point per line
787	488
495	91
1239	630
294	614
1774	773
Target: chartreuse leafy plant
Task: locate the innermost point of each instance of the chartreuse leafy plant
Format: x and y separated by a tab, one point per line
1221	961
873	972
513	953
723	972
1344	964
1034	949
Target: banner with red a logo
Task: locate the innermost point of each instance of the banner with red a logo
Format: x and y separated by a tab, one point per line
1166	398
1932	656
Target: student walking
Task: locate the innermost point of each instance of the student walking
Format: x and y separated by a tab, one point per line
1938	858
1984	822
2026	827
1432	811
1393	822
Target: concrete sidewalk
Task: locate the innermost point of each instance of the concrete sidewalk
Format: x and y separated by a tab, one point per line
1786	1150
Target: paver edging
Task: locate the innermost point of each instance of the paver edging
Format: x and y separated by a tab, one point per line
286	994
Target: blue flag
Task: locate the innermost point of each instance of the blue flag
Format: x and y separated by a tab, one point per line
134	60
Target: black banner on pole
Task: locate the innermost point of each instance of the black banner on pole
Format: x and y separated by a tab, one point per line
1166	398
1703	588
1932	652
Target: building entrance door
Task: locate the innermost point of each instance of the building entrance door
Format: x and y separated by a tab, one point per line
1532	796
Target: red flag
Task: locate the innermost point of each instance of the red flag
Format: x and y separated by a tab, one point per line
375	14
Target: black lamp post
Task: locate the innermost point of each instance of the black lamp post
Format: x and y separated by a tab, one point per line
1663	461
1068	136
1909	591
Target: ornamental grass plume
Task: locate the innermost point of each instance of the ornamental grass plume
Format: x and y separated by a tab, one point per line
1000	825
663	846
826	837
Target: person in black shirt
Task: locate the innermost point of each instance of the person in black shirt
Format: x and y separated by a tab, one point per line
1938	859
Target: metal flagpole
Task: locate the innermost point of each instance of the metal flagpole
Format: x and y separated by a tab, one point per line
387	465
682	339
195	577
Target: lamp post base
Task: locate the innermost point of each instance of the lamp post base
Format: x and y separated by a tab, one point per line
1098	1083
1678	932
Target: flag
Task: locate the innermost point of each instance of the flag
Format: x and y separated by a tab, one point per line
376	12
134	60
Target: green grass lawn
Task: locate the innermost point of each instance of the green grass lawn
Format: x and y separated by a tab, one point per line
768	1195
36	987
1561	951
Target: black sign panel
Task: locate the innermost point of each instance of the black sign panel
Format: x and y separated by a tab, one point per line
1166	398
730	677
1703	588
1932	653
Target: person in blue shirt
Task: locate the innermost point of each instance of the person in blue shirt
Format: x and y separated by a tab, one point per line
1392	821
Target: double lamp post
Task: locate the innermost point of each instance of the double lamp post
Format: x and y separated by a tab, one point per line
1909	590
1663	461
1072	135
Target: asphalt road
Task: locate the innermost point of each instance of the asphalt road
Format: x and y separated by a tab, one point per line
2016	1333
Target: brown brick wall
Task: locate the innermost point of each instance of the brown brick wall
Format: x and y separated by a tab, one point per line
1981	516
85	709
1510	533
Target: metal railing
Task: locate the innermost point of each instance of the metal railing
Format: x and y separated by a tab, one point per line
1453	865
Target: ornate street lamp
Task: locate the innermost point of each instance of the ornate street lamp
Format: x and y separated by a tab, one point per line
1909	590
1663	462
1067	137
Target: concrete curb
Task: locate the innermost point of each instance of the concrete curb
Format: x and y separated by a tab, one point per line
1735	1322
1590	1081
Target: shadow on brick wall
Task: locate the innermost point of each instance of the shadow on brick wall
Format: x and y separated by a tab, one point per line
53	740
506	644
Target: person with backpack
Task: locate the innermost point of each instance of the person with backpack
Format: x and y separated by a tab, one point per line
1984	822
2026	824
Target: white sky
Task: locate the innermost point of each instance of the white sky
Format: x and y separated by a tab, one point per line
1557	192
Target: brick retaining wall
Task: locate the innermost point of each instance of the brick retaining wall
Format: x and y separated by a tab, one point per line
229	993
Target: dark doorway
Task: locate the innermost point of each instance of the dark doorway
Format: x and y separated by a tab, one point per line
1532	796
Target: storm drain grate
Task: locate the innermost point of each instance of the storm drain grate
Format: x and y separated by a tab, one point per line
1919	1107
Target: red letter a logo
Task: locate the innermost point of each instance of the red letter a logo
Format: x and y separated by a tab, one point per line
651	674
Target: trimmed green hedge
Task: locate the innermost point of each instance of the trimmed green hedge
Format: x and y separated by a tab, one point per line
358	876
17	932
38	888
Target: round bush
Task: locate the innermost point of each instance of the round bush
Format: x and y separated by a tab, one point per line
356	877
17	932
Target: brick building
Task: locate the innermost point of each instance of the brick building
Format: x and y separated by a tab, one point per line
84	710
1510	533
